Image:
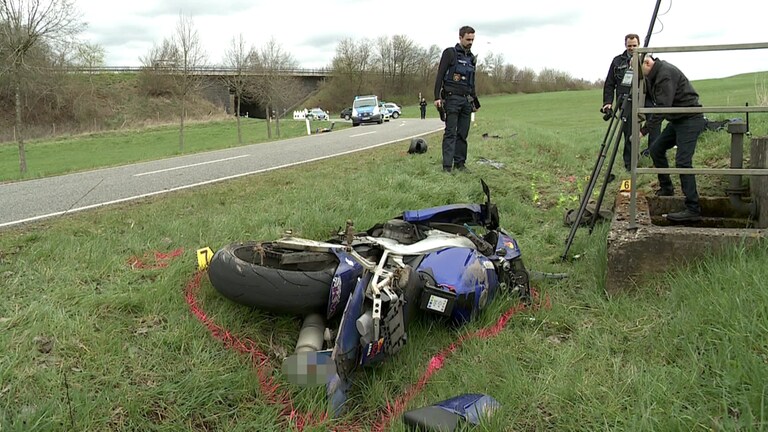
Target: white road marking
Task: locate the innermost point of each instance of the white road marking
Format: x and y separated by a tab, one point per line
189	166
362	134
93	206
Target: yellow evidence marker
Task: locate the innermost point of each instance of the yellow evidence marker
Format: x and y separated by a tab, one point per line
204	256
626	186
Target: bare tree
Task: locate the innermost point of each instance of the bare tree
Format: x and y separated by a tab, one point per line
405	55
275	88
353	61
89	55
526	78
190	57
159	65
236	57
25	25
426	68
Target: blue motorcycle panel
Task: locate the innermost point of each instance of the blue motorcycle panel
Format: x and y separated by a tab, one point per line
446	213
344	280
462	274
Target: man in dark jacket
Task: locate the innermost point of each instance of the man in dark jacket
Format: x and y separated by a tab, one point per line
618	82
455	93
423	108
670	88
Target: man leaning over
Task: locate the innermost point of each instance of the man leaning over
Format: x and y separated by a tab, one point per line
669	87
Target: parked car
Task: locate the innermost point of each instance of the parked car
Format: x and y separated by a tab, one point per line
394	109
317	114
384	112
346	113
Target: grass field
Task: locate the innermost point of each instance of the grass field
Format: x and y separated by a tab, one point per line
93	340
83	152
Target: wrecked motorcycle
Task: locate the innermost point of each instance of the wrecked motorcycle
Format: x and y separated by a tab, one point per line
358	292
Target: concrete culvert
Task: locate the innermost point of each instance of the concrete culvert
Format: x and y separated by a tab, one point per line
418	145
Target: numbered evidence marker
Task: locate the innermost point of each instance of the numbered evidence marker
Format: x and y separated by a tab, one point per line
204	256
626	186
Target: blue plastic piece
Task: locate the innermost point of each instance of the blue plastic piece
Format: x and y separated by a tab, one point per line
472	407
343	282
347	349
443	213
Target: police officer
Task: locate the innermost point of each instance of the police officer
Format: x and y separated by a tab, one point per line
455	95
618	82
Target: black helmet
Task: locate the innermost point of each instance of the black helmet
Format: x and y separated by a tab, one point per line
418	145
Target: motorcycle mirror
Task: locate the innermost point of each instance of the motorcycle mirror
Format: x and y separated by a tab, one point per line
489	211
486	191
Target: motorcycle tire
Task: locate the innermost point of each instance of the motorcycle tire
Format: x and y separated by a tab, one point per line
248	273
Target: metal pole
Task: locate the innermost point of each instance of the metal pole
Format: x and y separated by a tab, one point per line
636	101
650	27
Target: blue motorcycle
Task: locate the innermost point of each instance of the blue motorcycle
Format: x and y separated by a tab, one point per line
358	292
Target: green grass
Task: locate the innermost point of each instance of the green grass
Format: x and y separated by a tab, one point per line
84	152
685	351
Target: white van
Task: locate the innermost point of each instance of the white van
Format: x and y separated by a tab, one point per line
365	109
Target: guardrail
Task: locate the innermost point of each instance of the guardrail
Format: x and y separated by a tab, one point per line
639	108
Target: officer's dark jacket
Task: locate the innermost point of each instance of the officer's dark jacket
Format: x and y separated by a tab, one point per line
456	73
668	87
619	67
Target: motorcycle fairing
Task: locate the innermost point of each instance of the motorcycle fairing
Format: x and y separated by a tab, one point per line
509	244
454	213
343	282
347	347
372	352
462	274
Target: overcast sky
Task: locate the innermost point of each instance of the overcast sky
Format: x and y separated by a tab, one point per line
577	37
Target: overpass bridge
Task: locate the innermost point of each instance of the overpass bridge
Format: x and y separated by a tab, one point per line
203	70
217	90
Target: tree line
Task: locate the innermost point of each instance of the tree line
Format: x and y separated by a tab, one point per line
39	40
397	67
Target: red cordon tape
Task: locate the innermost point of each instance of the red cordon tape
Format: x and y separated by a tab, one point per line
279	396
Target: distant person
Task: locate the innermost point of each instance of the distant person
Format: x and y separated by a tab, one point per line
668	87
455	94
618	84
423	107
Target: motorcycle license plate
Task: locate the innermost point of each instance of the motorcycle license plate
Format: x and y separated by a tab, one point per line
437	304
437	301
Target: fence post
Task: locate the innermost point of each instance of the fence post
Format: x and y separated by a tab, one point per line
759	184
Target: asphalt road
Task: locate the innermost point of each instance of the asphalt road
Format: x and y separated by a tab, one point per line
33	200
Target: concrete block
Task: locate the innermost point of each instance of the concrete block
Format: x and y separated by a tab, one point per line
656	246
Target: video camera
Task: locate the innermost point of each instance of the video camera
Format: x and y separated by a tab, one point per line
607	113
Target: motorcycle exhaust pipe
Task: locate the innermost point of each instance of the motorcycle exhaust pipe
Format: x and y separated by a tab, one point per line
311	335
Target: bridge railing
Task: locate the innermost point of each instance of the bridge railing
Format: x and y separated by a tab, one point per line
205	70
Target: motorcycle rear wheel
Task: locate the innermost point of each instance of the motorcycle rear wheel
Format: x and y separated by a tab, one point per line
262	275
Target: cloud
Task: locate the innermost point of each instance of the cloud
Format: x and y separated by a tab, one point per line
496	28
322	41
114	35
196	7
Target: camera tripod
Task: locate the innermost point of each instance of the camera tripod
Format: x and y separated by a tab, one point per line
617	122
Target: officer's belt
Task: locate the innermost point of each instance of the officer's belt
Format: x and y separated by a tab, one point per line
456	93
